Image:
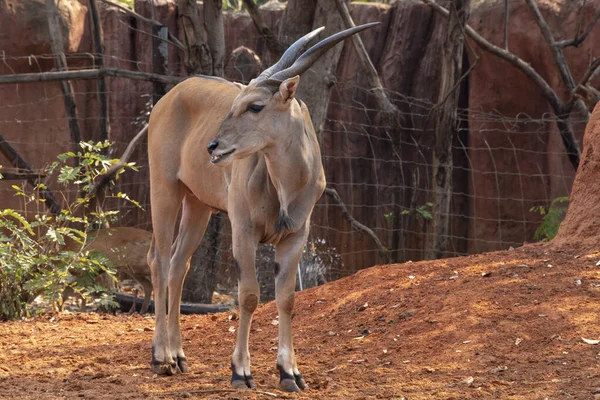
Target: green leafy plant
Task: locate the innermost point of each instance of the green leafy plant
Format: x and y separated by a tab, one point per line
421	212
551	218
43	254
127	2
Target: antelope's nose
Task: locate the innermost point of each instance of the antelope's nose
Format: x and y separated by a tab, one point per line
212	146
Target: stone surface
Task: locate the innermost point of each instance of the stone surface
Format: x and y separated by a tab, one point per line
380	168
581	226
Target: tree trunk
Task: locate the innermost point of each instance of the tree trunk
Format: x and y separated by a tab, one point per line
297	20
98	39
446	124
213	21
61	65
15	159
276	48
160	60
316	83
197	55
565	128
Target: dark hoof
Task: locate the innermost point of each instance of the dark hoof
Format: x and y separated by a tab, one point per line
164	368
288	385
300	382
182	365
291	383
161	367
241	382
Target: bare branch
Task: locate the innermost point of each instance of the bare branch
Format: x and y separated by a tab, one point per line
561	63
275	46
357	225
582	87
509	57
88	74
20	176
576	42
559	58
172	39
584	93
591	72
372	75
105	178
589	95
33	179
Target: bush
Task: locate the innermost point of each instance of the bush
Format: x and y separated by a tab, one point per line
551	218
45	254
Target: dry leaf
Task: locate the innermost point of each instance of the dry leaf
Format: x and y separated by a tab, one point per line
590	341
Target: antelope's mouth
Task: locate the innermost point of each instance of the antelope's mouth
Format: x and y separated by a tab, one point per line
219	157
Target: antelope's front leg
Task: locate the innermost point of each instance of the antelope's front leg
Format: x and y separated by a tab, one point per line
244	253
287	257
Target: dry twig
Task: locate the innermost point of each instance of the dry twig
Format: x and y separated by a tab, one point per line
275	46
372	75
357	225
172	39
88	74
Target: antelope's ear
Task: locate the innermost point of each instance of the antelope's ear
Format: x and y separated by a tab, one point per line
239	85
287	89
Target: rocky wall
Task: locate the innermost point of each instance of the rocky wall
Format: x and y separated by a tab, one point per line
380	166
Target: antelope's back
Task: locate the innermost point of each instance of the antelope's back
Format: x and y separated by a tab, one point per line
125	247
181	125
195	107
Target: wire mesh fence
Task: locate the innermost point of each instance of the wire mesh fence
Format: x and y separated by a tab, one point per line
504	167
381	166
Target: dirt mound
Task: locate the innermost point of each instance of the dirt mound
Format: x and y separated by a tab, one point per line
581	226
503	325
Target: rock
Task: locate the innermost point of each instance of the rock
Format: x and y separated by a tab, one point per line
243	65
581	225
25	26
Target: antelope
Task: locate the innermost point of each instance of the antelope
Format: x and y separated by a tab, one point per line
126	248
263	169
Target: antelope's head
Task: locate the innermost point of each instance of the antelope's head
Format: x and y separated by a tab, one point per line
266	111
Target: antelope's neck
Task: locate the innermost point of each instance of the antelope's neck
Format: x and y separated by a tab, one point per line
296	172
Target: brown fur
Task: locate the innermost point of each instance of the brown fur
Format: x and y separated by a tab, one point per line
268	186
126	248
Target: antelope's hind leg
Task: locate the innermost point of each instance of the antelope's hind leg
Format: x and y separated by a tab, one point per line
166	199
287	257
194	220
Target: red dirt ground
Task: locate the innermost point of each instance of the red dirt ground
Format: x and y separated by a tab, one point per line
448	332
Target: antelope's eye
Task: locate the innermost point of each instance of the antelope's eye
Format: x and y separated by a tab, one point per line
255	108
